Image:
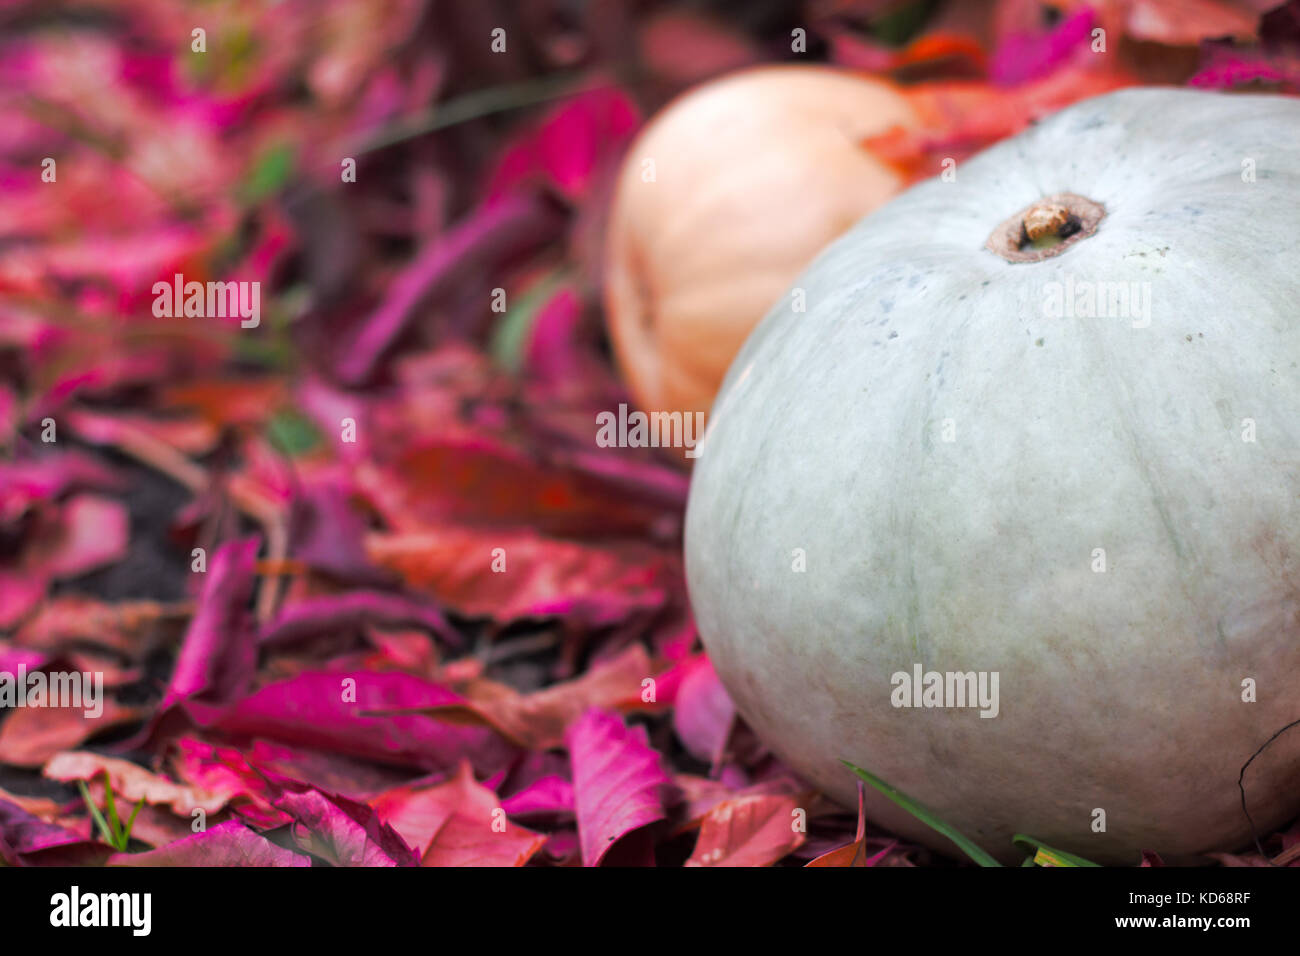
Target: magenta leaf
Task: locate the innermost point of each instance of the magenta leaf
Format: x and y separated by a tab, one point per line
487	238
219	652
313	617
703	712
22	833
344	832
619	784
332	711
226	844
547	796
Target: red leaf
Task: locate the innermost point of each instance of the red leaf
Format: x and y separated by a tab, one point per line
29	736
852	854
747	831
473	478
1028	55
1186	22
542	719
476	246
509	575
685	48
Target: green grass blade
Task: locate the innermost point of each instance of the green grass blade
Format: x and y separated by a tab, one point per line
926	816
126	833
1045	855
94	812
109	805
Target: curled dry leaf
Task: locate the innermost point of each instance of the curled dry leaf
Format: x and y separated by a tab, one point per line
132	782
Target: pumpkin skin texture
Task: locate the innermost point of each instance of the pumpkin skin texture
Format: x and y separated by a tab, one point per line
754	174
949	450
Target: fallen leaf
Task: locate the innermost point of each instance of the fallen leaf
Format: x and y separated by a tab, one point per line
457	823
303	620
748	831
332	711
510	575
226	844
619	784
541	719
703	712
132	782
218	654
29	736
343	832
853	854
551	797
22	833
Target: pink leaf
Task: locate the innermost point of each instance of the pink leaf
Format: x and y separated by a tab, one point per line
226	844
618	782
94	534
328	710
550	796
314	617
22	833
1029	55
475	246
570	146
218	654
344	832
703	712
457	823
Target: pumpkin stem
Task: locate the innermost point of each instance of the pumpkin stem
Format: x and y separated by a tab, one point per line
1046	219
1046	228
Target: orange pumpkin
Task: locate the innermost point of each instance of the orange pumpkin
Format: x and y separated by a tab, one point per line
721	202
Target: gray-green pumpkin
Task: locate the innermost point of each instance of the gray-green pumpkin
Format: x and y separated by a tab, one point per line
1071	462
